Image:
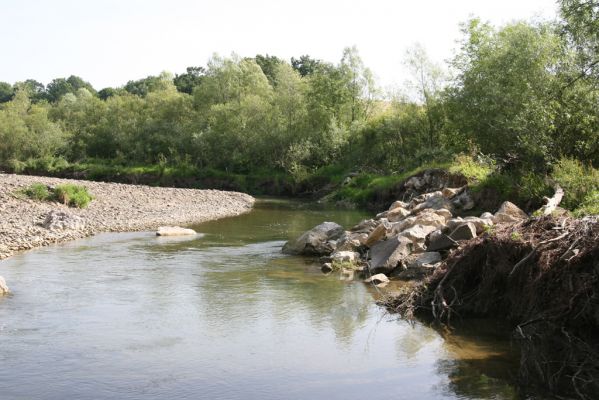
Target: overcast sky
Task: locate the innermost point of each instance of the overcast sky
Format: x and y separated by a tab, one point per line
108	42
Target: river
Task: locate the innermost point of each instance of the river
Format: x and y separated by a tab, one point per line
225	315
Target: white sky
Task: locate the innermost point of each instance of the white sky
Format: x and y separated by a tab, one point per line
108	42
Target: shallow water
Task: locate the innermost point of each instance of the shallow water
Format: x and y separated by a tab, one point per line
224	316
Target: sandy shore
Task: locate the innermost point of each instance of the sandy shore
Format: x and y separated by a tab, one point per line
116	208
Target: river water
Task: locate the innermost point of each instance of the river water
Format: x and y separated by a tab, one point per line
225	315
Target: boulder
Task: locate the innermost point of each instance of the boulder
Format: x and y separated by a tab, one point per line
486	215
433	201
60	221
509	213
398	203
397	214
438	241
327	267
463	201
351	241
317	241
429	217
421	259
479	223
386	255
4	290
365	226
377	279
379	233
174	231
448	193
417	234
465	231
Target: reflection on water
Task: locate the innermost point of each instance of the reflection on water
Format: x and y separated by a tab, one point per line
222	316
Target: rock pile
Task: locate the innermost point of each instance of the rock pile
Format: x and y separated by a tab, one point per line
407	241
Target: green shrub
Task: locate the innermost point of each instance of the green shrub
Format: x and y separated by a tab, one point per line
589	206
37	191
73	195
578	181
473	170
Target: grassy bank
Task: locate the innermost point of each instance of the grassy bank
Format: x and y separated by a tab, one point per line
489	183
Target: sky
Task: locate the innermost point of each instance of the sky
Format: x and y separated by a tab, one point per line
109	42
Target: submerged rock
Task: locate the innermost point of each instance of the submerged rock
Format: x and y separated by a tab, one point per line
174	231
3	287
317	241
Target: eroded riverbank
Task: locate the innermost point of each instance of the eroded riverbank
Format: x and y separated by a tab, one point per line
116	208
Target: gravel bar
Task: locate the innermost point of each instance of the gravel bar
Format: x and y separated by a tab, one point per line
116	208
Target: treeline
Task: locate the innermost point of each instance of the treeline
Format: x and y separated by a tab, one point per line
524	95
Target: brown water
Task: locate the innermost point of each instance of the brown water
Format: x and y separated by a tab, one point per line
224	316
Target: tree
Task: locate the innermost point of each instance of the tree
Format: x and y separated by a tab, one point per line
504	97
268	64
427	82
6	92
61	86
359	86
305	65
185	83
35	90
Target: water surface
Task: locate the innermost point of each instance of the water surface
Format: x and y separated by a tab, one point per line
224	316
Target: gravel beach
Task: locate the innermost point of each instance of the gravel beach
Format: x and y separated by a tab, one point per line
115	208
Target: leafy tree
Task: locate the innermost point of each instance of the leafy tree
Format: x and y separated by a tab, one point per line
185	83
305	65
268	64
504	96
36	91
6	92
149	84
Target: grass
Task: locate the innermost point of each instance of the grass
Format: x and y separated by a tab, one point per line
73	195
68	194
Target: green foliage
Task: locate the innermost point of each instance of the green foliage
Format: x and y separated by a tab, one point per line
72	195
474	170
589	205
37	191
578	181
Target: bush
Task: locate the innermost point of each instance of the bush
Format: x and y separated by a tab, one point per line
589	206
37	191
73	195
578	181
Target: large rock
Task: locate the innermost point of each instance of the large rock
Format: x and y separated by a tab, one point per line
377	279
379	233
316	241
60	221
438	241
174	231
398	203
397	214
417	234
463	201
429	217
351	241
465	231
434	201
386	255
3	287
509	213
421	259
480	223
365	226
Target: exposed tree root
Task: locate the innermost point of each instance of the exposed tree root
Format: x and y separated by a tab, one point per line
544	276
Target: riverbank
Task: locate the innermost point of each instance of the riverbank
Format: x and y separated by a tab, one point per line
115	208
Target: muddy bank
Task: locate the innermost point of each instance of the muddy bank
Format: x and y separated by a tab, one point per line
116	208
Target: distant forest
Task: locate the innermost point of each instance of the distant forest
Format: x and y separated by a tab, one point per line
523	97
